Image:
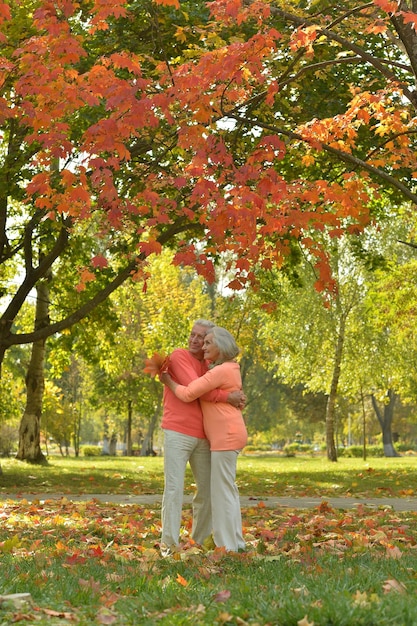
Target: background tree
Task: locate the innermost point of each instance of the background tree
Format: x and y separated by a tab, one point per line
255	129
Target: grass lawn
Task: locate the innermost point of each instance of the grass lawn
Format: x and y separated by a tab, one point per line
88	563
257	476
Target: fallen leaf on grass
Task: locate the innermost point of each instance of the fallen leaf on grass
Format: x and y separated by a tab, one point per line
106	617
91	583
109	598
393	552
360	598
181	580
304	622
22	617
64	614
393	585
300	591
222	596
61	614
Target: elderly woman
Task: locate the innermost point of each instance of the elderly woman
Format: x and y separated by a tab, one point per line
225	429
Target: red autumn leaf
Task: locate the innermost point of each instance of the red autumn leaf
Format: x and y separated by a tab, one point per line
75	559
5	13
155	363
389	6
99	261
96	551
150	247
410	18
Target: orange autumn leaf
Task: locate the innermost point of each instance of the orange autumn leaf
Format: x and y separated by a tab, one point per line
181	580
168	3
154	364
410	18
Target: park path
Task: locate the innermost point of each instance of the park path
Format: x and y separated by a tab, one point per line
397	504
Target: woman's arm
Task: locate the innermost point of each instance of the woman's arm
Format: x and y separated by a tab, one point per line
195	388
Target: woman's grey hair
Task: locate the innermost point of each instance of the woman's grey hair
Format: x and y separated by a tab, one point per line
225	342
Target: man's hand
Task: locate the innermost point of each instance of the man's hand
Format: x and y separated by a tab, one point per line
237	399
164	377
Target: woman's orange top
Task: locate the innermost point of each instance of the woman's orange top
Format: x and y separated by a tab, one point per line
223	424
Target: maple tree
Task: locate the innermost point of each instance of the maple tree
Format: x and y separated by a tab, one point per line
257	122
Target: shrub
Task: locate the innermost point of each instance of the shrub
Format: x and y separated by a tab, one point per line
290	449
8	440
405	447
91	450
357	451
257	448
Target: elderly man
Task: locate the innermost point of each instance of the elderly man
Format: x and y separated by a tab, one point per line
185	441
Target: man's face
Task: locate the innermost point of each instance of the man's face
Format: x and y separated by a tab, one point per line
196	341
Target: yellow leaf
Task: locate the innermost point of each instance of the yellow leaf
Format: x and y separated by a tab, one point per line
360	598
10	544
308	160
304	622
208	543
180	34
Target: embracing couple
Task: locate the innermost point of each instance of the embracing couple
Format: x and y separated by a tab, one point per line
203	425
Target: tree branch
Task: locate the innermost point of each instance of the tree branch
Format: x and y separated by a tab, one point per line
343	156
11	339
368	58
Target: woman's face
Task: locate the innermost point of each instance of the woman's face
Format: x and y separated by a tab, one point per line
211	351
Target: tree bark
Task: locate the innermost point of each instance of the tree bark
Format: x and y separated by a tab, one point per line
147	440
129	428
30	425
331	402
385	419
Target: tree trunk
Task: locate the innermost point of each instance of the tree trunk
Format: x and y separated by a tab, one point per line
129	429
331	401
77	428
30	425
146	449
385	420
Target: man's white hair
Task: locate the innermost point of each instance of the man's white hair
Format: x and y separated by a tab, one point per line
205	323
